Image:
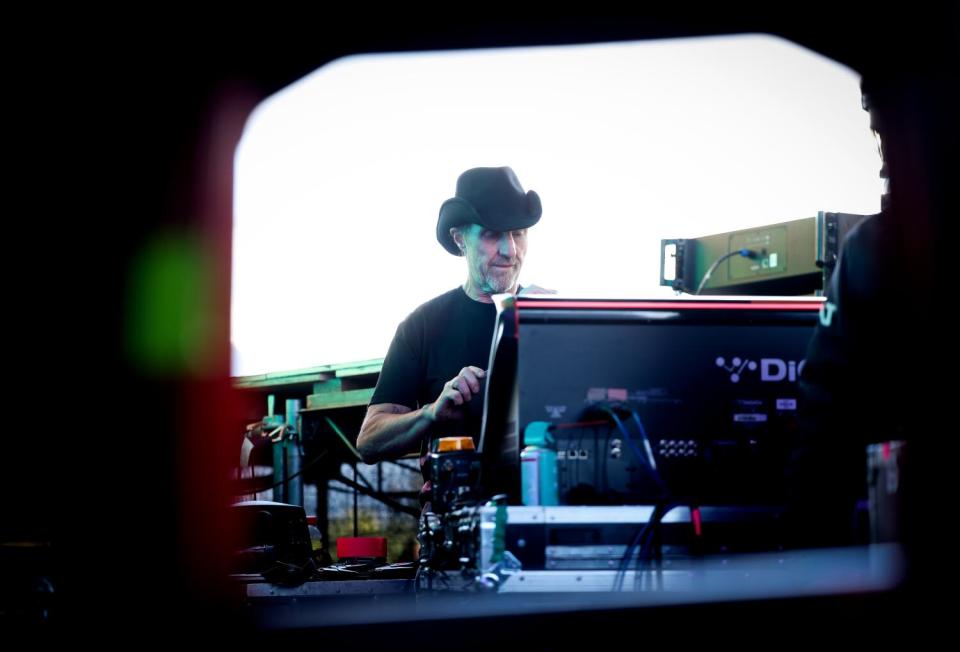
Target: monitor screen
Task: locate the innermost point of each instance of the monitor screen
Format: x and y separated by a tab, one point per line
695	399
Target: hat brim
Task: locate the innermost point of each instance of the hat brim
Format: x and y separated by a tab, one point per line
457	212
454	212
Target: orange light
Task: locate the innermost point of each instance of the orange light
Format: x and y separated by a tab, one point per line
447	444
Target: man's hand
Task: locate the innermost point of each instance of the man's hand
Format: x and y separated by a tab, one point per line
456	393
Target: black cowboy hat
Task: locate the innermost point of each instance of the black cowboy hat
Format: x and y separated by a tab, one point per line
490	197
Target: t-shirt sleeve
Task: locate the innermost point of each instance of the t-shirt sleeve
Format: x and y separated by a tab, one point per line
402	371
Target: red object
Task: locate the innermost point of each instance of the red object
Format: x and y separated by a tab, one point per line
311	520
697	524
556	304
616	394
361	547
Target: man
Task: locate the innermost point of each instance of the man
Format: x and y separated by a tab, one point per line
871	372
431	381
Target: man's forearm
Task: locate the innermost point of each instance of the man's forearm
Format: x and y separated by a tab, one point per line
385	435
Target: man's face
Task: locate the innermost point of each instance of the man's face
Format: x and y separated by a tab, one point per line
493	258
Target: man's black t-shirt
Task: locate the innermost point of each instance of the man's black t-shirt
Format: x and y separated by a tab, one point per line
861	382
430	347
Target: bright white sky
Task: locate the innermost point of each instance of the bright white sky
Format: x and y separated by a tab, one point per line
340	176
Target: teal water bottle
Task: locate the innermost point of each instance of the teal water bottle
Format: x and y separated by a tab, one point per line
538	466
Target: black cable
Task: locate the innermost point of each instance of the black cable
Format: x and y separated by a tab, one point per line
580	466
444	578
606	454
628	553
340	490
369	490
656	520
623	431
641	457
288	478
357	474
395	494
301	471
253	477
648	447
386	500
746	253
662	502
238	481
373	493
404	466
656	515
600	463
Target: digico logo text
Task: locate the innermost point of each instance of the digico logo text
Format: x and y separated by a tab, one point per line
772	370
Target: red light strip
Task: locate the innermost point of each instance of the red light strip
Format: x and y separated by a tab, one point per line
669	305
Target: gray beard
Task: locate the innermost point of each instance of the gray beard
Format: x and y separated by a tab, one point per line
498	285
